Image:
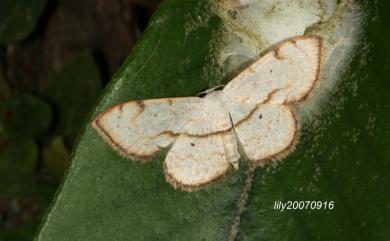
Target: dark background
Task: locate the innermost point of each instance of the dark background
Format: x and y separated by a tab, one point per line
55	58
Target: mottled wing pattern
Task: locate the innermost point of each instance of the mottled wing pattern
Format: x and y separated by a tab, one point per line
260	98
269	131
199	129
207	153
139	129
195	161
253	110
287	73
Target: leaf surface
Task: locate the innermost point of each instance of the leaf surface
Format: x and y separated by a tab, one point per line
341	156
18	19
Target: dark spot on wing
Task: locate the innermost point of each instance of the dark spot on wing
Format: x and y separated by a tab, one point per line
192	144
277	54
140	104
260	116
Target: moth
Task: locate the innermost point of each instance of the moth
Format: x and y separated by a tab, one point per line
254	111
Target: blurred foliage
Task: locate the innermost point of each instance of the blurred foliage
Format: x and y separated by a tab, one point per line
18	19
55	57
24	195
56	157
15	110
72	91
18	157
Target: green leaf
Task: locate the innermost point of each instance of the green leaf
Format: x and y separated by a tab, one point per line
56	157
114	198
22	195
18	157
25	115
72	91
18	19
341	157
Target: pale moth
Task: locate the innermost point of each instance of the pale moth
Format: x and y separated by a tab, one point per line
253	111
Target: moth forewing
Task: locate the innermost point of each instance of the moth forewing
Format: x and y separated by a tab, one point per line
256	109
